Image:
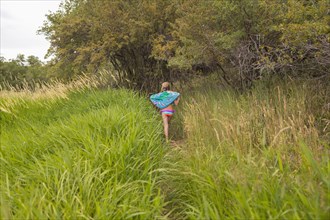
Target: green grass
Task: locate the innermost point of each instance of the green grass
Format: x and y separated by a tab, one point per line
93	155
100	154
258	155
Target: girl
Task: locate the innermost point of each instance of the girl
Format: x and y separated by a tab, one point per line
167	113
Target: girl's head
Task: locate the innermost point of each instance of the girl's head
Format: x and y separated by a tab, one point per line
165	86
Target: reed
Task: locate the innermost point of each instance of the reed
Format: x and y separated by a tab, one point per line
259	155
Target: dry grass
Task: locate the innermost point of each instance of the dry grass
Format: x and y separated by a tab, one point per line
51	91
258	155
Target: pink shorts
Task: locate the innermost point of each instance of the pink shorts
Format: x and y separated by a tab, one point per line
168	113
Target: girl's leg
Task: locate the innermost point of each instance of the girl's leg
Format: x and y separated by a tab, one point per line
165	122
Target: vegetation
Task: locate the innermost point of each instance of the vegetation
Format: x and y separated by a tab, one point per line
250	136
20	71
142	43
252	156
93	154
81	152
150	41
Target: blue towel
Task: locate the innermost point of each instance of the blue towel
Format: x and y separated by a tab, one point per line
163	99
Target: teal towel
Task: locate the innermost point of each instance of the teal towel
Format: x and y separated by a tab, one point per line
163	99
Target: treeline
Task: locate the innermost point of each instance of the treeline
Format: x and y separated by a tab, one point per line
152	40
22	71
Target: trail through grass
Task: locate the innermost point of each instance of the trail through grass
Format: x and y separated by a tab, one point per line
99	154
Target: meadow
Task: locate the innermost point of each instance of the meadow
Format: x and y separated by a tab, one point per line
81	152
85	154
257	155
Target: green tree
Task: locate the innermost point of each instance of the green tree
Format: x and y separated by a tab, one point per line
88	35
252	37
13	72
146	41
22	71
37	70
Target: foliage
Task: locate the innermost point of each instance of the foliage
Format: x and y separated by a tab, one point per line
96	34
260	155
148	41
93	154
20	71
72	151
253	37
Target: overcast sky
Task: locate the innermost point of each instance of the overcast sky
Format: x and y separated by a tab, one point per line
20	20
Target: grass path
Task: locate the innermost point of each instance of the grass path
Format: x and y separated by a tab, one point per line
100	154
177	144
251	156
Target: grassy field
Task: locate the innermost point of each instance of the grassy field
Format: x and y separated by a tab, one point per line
260	155
86	153
94	154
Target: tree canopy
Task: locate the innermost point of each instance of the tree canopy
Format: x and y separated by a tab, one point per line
150	40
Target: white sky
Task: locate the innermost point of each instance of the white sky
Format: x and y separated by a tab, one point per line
20	20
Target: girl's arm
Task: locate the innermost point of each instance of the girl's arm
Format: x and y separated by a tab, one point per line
176	102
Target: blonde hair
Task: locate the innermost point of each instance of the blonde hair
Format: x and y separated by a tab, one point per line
165	86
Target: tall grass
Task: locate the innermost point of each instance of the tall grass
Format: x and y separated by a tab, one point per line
258	155
77	152
92	155
52	90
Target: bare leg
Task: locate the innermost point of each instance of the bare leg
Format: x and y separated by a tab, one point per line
165	122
